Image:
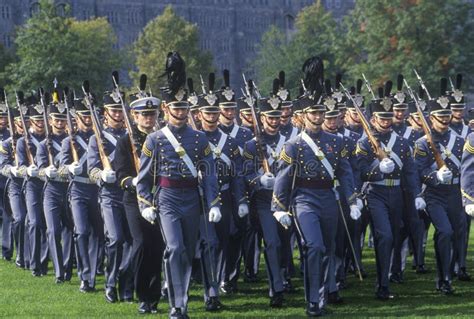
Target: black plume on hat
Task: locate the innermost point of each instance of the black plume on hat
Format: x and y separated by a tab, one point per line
359	86
399	82
313	69
143	80
458	81
281	78
443	86
226	75
175	70
388	88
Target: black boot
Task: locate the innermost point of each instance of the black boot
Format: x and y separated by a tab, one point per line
111	294
463	275
383	294
334	298
143	308
276	301
213	304
312	310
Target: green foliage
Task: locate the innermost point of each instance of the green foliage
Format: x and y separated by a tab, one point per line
169	32
316	34
6	57
22	295
385	38
50	45
379	38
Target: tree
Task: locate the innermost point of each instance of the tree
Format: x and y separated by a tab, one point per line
53	46
6	57
387	37
169	32
316	34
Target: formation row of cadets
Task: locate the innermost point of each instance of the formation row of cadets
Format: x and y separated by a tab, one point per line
135	246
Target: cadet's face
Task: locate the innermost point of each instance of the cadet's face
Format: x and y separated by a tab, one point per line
398	116
247	118
271	124
209	120
58	124
457	115
228	115
471	125
314	119
116	115
19	127
3	122
415	122
440	123
178	116
38	126
352	118
145	120
285	115
331	123
84	122
381	124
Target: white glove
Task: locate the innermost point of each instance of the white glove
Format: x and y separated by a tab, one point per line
267	180
355	212
470	209
215	214
14	170
243	210
32	170
75	168
420	203
135	181
51	171
444	175
149	214
359	203
108	176
387	166
283	218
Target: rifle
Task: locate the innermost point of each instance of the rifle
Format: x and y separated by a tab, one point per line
203	85
49	141
96	126
26	135
374	143
369	88
440	163
128	122
422	84
11	125
256	127
70	126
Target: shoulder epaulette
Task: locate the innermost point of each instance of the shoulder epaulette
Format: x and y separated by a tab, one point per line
468	147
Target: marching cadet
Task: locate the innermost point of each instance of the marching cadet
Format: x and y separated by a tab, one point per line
167	186
467	175
216	237
351	117
333	124
309	191
5	212
148	245
27	168
260	155
286	129
383	172
457	105
118	241
439	171
55	203
83	196
241	232
16	201
244	112
413	225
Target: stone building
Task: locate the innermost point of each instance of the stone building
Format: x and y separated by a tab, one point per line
230	29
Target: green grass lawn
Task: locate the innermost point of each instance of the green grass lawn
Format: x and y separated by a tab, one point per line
22	295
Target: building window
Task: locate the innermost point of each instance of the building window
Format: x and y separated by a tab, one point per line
61	9
34	8
5	12
7	41
113	17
